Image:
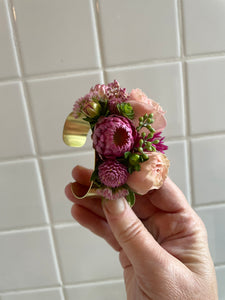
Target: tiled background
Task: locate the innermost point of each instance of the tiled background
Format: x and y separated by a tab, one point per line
51	52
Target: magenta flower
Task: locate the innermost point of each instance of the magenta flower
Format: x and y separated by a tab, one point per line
107	193
161	147
112	173
113	136
101	92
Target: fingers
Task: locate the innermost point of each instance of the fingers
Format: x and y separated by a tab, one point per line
91	203
168	198
96	224
82	175
137	243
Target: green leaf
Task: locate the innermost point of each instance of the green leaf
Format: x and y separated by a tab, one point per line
126	110
94	175
126	154
131	198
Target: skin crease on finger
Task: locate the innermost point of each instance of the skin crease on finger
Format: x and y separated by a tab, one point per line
186	271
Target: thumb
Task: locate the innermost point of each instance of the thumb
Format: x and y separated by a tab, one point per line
136	241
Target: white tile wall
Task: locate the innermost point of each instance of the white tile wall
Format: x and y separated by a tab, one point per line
54	36
57	174
204	25
75	242
128	30
50	102
14	128
100	291
208	161
26	260
51	53
206	90
21	194
213	218
53	294
220	274
7	59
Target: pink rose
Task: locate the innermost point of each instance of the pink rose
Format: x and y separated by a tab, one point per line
142	104
152	174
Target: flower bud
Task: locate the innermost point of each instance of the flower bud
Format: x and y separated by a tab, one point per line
91	109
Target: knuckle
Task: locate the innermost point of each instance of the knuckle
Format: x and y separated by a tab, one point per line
131	232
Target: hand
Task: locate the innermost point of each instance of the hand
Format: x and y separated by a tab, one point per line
161	241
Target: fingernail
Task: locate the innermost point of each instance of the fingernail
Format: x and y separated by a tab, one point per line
114	207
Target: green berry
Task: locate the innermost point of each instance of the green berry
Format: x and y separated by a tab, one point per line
143	134
141	142
140	149
145	156
150	135
151	115
155	141
141	119
134	159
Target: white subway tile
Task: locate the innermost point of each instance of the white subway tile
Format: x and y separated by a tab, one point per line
204	26
138	31
54	294
56	35
84	256
14	131
206	92
51	101
26	260
213	217
97	291
220	274
163	84
177	154
208	161
57	174
21	195
7	58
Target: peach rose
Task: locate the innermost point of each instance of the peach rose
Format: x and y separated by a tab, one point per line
152	174
142	104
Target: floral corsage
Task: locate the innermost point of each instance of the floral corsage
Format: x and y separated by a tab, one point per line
126	133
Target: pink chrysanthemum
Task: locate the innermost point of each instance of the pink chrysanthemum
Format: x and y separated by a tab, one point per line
113	136
109	194
112	173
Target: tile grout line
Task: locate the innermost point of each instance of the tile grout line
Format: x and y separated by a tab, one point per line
83	72
185	101
53	287
97	32
65	224
33	138
60	154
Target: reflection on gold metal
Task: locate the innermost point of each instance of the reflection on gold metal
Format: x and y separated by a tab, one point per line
14	13
75	131
80	191
84	192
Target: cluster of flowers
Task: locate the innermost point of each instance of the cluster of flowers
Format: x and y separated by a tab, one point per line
126	133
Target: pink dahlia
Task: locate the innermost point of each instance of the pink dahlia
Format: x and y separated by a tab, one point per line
109	194
113	136
112	173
